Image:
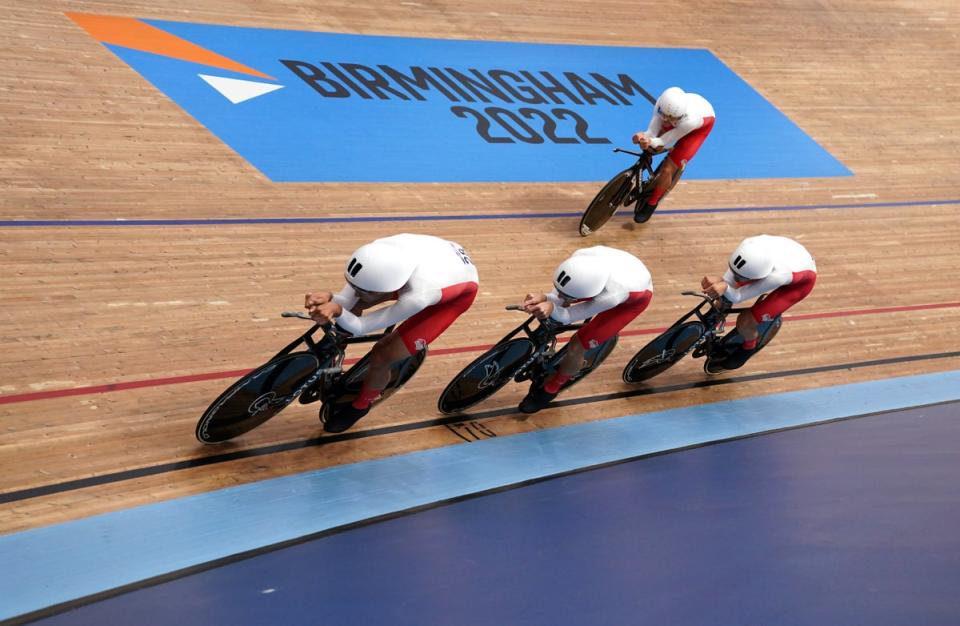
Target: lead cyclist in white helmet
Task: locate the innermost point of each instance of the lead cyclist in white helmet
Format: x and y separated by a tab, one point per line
433	282
608	285
680	124
779	267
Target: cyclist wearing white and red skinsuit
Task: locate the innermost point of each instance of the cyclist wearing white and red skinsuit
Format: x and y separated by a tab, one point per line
765	264
608	285
681	122
433	282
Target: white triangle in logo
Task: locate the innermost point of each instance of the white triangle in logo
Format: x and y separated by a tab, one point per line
236	90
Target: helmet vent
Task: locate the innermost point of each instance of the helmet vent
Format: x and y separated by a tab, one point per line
739	262
353	268
563	279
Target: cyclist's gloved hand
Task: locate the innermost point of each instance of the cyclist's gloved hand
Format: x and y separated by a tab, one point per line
316	298
642	140
713	286
325	313
538	305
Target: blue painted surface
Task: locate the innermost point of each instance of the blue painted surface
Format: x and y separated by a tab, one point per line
298	134
847	523
217	221
54	564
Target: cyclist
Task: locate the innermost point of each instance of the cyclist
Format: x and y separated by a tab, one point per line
609	285
681	122
433	282
779	267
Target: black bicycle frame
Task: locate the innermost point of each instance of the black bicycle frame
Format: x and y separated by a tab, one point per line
644	162
712	319
538	335
333	337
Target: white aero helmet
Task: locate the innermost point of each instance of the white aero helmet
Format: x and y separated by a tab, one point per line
753	259
672	103
581	276
379	267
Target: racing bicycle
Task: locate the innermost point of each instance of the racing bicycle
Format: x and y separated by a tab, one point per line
703	336
310	375
532	356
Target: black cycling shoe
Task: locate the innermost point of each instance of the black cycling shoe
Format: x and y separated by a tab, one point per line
734	359
535	400
643	212
337	419
737	358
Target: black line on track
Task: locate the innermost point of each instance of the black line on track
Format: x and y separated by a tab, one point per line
152	470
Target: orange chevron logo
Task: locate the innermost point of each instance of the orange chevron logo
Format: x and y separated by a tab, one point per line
130	32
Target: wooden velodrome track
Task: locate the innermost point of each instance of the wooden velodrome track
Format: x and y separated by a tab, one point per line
162	313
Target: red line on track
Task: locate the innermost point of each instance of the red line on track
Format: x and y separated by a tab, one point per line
192	378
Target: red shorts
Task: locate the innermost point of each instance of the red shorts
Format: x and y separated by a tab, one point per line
421	329
610	322
782	298
683	151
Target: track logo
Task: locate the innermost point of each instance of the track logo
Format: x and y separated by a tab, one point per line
135	34
332	107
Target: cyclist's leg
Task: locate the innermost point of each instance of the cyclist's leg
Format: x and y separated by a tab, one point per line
667	175
775	303
411	336
590	335
383	355
747	327
672	168
609	323
765	310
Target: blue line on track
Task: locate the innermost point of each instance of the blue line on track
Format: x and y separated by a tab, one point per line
434	218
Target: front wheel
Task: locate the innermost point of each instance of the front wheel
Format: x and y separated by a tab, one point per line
663	352
486	375
257	397
606	203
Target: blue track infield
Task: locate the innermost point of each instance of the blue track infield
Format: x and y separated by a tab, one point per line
852	522
60	563
219	221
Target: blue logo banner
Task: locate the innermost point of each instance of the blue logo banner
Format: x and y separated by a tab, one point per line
337	107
